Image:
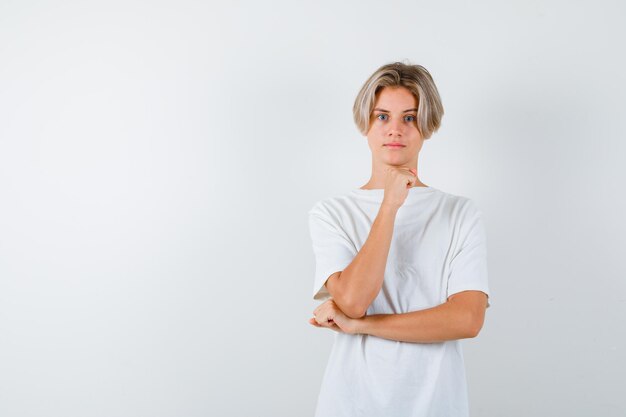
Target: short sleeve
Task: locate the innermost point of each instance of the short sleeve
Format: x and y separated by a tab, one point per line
468	267
332	248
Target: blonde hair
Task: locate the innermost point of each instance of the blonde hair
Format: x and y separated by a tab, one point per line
414	78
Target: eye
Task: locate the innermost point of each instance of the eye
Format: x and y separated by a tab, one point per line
381	114
410	118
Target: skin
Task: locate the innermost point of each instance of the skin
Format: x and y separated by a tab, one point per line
394	119
462	316
396	124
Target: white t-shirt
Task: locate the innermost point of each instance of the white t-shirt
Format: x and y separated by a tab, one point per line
438	248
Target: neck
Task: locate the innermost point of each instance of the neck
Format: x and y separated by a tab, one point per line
377	179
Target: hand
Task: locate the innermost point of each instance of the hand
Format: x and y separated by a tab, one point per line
398	180
330	316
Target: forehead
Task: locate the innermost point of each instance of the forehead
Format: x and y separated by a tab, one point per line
395	98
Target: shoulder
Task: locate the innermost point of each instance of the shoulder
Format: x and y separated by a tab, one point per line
460	207
330	207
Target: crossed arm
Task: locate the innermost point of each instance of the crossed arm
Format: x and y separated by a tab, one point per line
462	316
354	288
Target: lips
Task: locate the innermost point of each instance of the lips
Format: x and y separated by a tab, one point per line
394	145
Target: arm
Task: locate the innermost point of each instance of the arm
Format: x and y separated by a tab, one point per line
354	288
462	316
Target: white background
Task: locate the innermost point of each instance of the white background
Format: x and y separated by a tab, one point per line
158	159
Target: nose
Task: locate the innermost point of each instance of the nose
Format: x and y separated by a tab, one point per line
395	129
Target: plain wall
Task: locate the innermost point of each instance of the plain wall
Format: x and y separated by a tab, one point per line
158	159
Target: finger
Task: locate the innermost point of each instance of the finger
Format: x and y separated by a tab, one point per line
320	318
327	323
321	321
323	316
319	307
336	328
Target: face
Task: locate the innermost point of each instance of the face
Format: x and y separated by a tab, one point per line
394	121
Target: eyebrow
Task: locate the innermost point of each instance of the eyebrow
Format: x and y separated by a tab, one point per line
387	111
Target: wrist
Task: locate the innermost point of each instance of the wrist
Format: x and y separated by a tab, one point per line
388	209
361	325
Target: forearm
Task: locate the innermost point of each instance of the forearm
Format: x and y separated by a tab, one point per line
447	321
360	282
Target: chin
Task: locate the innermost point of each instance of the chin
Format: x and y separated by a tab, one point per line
396	161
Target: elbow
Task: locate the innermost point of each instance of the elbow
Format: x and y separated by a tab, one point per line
352	309
356	312
473	332
474	327
347	302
